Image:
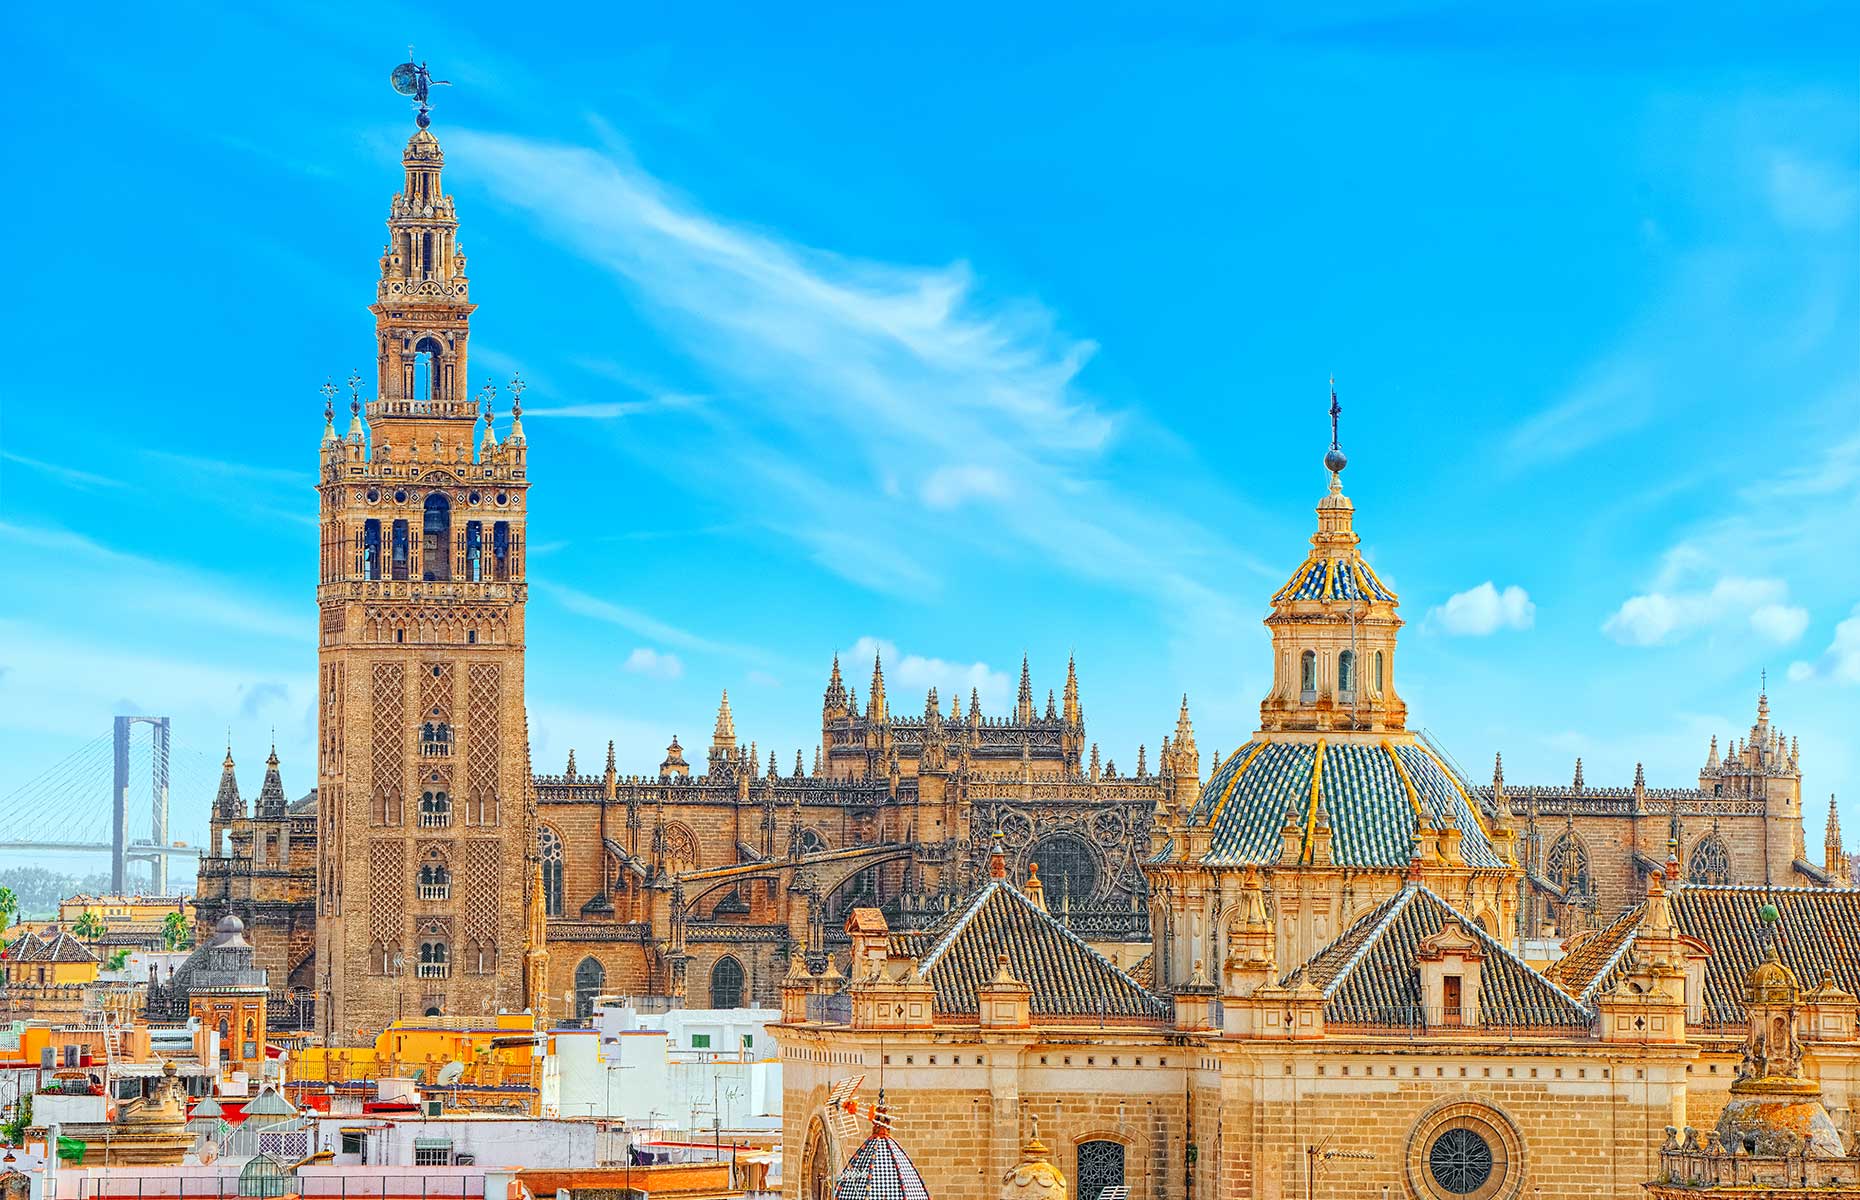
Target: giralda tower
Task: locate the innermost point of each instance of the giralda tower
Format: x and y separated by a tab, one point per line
427	892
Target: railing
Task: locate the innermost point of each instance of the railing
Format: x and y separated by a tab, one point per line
1485	1020
436	749
435	891
834	1009
432	970
435	820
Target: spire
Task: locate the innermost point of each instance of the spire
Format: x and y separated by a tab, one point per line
1834	856
1763	698
271	795
724	736
975	706
329	411
819	763
1069	707
1578	783
875	701
227	804
800	767
517	387
1640	778
1711	760
835	699
571	772
997	858
1142	761
1023	709
1498	770
1334	461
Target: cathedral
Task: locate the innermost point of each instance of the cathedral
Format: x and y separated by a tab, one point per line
433	871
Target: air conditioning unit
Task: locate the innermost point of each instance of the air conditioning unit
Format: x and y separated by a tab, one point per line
430	1108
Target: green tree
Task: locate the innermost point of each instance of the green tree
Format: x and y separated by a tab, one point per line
89	926
14	1130
176	933
120	959
9	904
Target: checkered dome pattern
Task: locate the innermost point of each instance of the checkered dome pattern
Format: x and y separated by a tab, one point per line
1373	795
880	1170
1334	579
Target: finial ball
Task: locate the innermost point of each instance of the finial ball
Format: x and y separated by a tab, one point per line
1334	460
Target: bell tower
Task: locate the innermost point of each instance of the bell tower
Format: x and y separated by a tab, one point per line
427	866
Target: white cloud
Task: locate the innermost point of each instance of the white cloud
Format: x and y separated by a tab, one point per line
659	665
948	487
1810	195
912	675
1658	617
1840	662
1485	610
634	621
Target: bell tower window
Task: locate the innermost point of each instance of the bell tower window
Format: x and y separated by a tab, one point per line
436	542
371	549
474	551
428	358
400	550
1346	671
1381	673
500	551
1307	675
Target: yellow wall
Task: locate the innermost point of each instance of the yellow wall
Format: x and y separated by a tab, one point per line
426	1046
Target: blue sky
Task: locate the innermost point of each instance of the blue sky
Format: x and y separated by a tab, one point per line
974	332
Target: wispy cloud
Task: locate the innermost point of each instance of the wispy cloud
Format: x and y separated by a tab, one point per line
1840	662
938	395
70	475
1613	400
1809	194
642	624
1658	617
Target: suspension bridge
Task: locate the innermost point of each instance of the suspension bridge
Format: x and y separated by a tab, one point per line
110	796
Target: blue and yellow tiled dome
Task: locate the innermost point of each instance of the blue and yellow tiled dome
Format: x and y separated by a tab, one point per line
1325	578
1374	795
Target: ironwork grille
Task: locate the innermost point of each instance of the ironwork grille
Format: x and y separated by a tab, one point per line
1101	1168
1460	1161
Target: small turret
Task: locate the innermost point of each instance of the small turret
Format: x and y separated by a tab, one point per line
1069	710
270	805
1834	854
1023	709
227	804
875	703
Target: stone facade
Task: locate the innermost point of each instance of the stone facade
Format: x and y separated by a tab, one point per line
260	867
426	875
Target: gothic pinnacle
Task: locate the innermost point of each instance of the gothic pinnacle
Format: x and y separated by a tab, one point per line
725	732
571	762
1498	769
1024	708
1578	784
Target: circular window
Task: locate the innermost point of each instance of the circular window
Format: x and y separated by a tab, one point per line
503	497
474	497
400	497
374	494
1465	1150
1460	1161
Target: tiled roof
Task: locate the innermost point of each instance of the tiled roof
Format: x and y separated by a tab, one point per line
66	949
1322	577
1069	979
1370	975
26	947
1144	971
1819	932
1372	793
1595	959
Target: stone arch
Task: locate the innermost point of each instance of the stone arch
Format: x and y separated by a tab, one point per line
1101	1159
1072	870
1465	1149
590	978
819	1161
1567	864
681	848
728	983
1710	861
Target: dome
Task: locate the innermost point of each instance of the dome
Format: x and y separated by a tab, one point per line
229	924
1325	579
1372	793
423	147
880	1170
1771	982
1035	1177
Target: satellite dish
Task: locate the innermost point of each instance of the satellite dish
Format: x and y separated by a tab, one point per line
406	79
450	1074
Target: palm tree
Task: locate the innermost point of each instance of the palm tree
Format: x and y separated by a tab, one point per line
176	933
89	926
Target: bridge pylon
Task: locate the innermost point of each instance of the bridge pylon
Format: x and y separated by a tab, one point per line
119	803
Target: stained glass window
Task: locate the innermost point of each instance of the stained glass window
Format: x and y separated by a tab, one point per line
1568	866
726	984
590	978
1460	1161
1068	870
551	846
1710	862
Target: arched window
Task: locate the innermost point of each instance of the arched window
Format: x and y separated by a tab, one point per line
436	539
1346	671
812	842
726	983
1101	1167
435	809
1710	862
1381	673
550	844
1567	866
590	978
1307	674
435	739
399	551
1068	870
427	356
435	958
435	879
371	548
474	551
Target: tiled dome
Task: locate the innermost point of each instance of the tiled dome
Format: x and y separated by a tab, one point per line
1373	795
880	1169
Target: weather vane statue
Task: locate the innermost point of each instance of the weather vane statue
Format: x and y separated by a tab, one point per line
413	79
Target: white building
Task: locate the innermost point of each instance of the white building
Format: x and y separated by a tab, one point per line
694	1069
